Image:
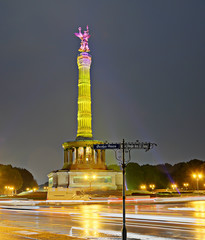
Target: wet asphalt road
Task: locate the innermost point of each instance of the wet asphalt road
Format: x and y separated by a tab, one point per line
104	221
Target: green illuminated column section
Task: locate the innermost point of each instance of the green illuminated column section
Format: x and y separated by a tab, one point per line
84	117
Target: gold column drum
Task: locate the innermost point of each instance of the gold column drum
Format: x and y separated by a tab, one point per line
84	117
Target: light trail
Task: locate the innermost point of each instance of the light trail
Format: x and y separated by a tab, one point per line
141	217
156	218
104	200
143	224
93	221
129	235
182	209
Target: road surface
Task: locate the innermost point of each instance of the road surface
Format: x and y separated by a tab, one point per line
104	221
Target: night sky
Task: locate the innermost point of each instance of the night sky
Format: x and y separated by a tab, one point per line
147	74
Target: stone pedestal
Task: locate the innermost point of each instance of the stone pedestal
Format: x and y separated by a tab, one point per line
71	181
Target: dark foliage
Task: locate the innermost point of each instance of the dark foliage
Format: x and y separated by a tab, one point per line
163	175
10	176
19	178
134	176
28	180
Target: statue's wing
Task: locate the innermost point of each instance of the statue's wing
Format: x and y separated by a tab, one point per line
79	35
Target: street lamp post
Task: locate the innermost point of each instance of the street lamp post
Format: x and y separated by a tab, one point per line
197	176
124	230
186	185
152	186
128	147
12	191
174	186
122	148
90	179
143	187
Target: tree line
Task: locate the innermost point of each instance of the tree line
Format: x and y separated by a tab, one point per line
164	175
18	178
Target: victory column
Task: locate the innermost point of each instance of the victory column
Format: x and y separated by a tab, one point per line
82	163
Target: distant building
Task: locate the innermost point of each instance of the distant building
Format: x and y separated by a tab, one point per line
84	167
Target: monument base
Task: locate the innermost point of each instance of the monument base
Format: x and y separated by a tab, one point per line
63	184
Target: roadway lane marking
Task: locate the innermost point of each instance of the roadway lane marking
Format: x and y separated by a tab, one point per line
129	235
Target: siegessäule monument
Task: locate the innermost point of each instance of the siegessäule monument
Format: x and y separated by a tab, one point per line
84	167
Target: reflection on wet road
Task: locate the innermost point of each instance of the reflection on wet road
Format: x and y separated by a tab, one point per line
103	221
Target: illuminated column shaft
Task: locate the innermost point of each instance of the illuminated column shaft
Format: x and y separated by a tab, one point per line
84	97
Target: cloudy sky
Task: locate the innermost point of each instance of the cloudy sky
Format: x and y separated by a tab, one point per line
148	78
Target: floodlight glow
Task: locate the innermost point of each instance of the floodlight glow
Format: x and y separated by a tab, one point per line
174	186
197	175
152	186
143	187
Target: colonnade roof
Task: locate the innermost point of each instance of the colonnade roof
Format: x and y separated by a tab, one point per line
80	143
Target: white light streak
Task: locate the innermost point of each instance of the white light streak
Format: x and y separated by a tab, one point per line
156	218
129	234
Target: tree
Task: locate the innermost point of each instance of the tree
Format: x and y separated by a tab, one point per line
28	179
10	176
134	176
153	175
180	173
